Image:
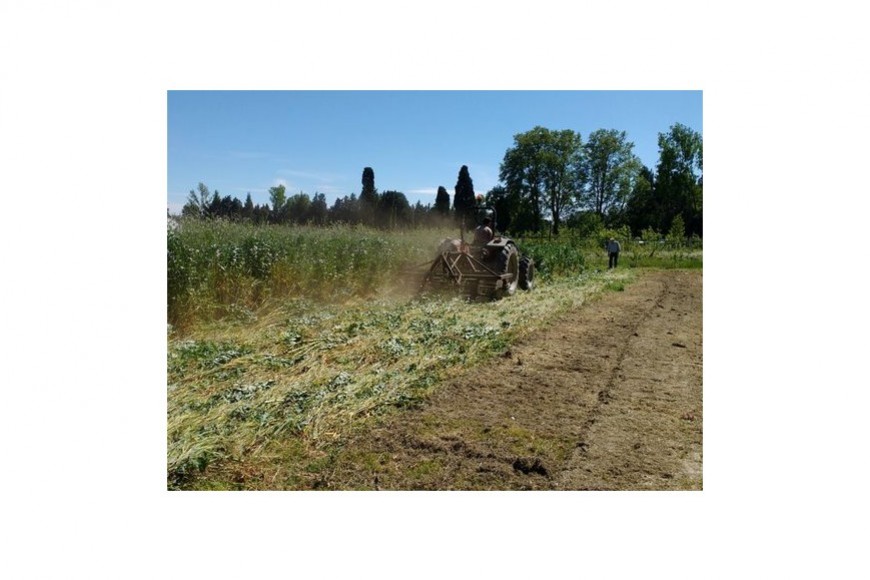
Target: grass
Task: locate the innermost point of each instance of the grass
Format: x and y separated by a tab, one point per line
568	255
284	340
223	269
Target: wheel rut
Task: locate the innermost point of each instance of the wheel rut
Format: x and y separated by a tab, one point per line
608	397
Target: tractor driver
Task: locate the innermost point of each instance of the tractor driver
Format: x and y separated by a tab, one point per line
483	234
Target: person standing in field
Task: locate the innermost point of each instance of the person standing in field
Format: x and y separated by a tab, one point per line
613	253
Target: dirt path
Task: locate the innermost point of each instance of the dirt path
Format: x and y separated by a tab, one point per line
610	398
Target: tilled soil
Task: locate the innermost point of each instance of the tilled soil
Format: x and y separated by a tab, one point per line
607	398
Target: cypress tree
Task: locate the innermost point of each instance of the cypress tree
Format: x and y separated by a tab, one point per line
368	197
463	200
442	201
248	210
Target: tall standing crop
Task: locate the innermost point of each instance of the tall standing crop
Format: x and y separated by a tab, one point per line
214	265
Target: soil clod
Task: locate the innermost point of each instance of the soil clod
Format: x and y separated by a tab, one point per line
527	466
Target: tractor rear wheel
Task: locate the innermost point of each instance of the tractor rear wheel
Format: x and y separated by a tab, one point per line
509	263
527	273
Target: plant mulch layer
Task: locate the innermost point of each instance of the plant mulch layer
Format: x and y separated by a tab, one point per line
607	398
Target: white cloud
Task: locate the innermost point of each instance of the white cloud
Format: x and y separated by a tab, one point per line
424	191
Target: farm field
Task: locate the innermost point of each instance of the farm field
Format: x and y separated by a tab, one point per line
609	397
591	381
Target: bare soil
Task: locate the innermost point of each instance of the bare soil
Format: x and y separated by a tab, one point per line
608	398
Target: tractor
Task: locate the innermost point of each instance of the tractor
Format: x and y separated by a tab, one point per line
480	270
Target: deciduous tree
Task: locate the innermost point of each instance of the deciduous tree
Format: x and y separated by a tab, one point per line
198	202
278	197
609	170
345	210
679	177
643	210
394	210
319	212
543	168
297	209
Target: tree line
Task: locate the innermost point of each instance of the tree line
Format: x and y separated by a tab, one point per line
548	180
388	209
554	178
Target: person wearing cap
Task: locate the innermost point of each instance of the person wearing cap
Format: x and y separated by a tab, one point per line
613	253
483	234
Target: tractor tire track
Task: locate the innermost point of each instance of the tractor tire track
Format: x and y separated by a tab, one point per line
605	396
609	397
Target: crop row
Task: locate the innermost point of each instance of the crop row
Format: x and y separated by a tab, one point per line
216	268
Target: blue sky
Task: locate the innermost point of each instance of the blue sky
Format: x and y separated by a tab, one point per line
319	141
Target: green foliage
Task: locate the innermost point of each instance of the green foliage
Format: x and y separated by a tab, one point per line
345	211
650	237
318	213
610	169
393	210
296	209
547	176
369	194
213	266
676	237
586	224
556	257
442	202
621	235
178	271
643	209
221	269
207	354
679	177
197	202
278	197
571	254
368	197
543	170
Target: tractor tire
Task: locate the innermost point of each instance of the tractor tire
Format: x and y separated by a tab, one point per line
509	263
527	273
